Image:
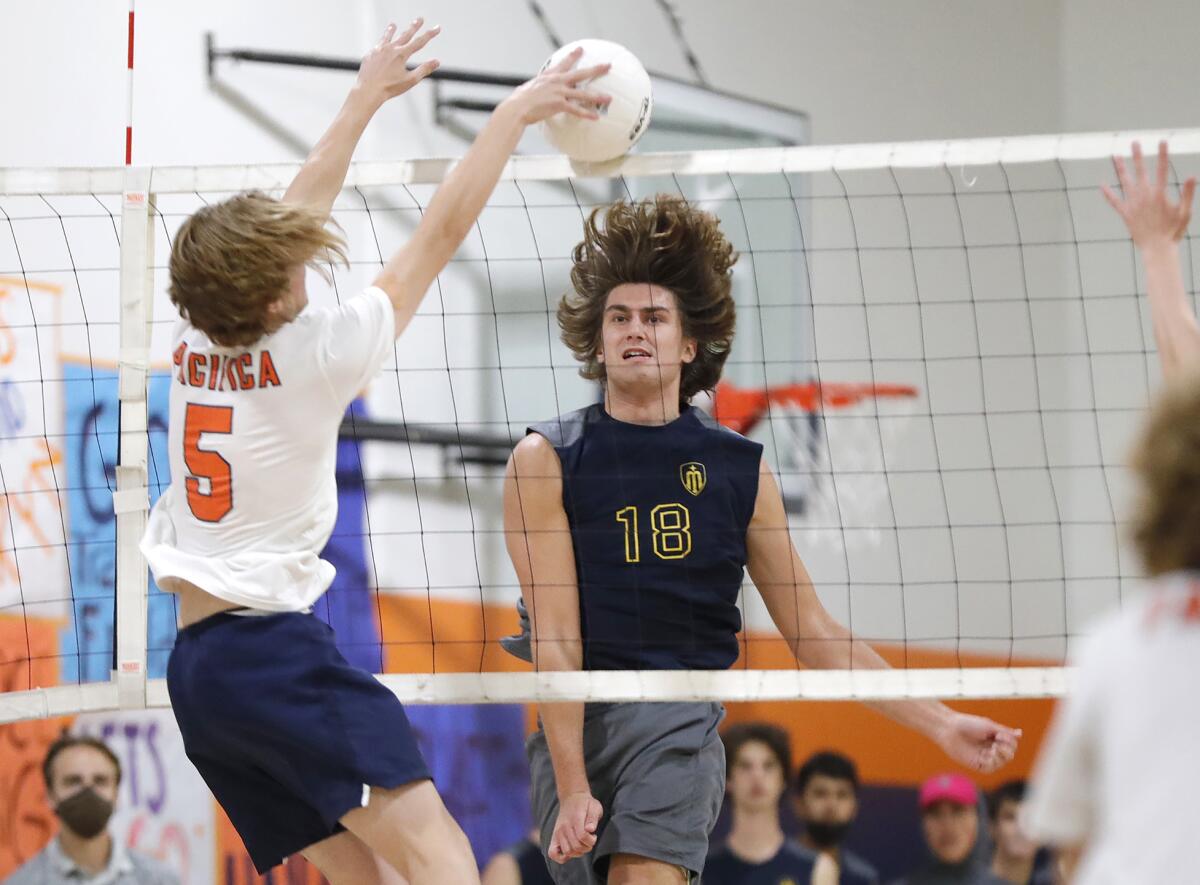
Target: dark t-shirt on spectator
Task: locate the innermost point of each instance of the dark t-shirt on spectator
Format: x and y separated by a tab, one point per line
971	872
853	870
791	865
1041	875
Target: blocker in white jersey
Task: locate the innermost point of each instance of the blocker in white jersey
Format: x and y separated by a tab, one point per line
1120	769
253	433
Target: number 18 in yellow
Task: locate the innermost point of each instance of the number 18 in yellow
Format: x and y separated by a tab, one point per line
671	531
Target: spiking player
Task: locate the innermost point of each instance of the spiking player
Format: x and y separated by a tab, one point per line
304	752
629	524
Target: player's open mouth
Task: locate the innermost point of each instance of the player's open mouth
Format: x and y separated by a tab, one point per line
636	353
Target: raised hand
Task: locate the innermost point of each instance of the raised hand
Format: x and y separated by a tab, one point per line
1146	209
558	89
978	742
384	72
575	829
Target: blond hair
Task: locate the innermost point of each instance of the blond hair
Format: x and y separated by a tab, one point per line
1166	463
233	259
667	242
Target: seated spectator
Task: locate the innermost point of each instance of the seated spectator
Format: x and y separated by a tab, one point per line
950	821
1015	858
757	761
82	776
826	803
519	864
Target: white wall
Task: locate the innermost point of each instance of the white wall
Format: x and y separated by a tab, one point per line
890	71
865	71
875	70
1129	65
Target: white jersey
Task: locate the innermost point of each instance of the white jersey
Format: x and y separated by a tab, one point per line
1120	769
253	446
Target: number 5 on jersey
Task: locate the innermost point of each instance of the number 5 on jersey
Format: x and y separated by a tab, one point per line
213	504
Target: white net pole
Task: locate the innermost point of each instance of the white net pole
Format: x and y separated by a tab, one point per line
130	500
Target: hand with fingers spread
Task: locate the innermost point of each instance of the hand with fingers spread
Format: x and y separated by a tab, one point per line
575	829
978	742
385	73
1149	213
1156	223
559	89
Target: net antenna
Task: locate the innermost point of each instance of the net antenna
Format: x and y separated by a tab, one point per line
990	338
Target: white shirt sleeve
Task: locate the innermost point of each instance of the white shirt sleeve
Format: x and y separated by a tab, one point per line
356	340
1062	808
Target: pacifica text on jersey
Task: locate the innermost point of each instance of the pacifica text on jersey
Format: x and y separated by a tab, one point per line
216	371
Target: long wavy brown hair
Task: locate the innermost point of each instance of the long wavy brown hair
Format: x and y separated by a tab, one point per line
232	259
667	242
1166	462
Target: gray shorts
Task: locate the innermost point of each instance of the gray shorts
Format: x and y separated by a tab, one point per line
659	772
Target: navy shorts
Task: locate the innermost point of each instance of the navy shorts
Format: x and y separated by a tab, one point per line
287	735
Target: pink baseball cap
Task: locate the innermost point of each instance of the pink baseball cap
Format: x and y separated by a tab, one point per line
948	788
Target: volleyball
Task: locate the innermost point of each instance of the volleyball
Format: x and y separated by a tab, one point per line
622	123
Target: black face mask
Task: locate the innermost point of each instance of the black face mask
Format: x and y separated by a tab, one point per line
826	835
85	814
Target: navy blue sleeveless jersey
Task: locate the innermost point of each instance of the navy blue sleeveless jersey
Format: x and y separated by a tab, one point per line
658	518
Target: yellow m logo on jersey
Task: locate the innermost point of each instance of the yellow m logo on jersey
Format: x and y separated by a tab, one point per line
693	476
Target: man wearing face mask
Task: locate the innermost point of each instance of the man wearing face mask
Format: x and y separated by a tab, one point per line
826	802
82	776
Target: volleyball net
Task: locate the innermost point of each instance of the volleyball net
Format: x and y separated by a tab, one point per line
941	346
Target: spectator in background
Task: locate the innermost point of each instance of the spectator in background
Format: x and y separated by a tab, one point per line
950	821
519	864
826	802
1015	856
82	776
758	758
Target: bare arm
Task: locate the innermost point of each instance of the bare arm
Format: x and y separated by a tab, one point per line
384	74
455	207
1156	226
820	642
538	538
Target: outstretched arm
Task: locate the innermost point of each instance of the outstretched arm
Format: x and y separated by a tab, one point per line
383	74
820	642
455	207
538	538
1156	225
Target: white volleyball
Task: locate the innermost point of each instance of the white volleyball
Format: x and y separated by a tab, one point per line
622	123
